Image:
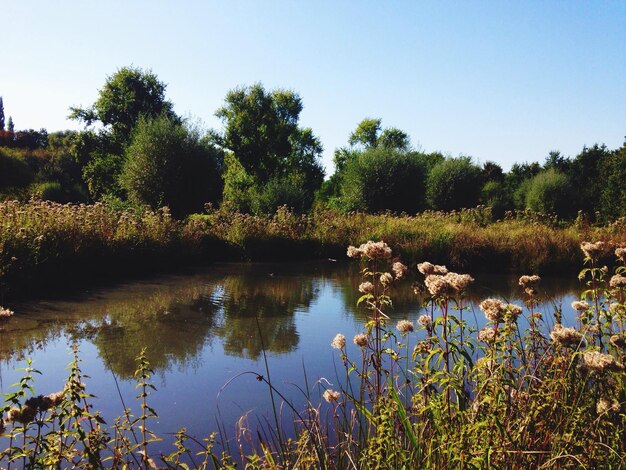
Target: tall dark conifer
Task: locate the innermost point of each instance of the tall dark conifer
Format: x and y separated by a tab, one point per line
1	114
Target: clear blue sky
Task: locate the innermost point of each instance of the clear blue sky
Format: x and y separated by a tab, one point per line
498	80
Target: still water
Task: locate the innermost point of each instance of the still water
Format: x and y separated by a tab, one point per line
203	339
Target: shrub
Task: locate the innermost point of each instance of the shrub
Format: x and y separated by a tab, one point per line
168	164
383	179
454	184
551	192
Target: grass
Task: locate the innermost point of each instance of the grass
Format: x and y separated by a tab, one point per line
45	244
436	393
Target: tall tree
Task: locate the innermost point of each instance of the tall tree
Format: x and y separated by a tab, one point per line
127	95
370	134
1	114
262	132
10	125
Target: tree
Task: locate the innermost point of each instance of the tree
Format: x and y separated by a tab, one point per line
1	114
368	135
454	183
169	164
381	179
613	193
586	176
262	132
10	125
550	192
127	95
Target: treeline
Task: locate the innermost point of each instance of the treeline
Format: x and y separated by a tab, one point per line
135	150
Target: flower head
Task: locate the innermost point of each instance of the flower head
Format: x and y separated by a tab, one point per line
493	309
592	250
425	321
385	279
399	269
529	281
339	341
331	396
567	337
361	340
366	287
621	253
375	250
580	305
597	361
405	326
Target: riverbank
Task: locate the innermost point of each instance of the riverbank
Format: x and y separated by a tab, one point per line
48	245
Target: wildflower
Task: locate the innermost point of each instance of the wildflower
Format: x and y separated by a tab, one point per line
619	341
592	250
459	282
404	326
375	250
566	336
487	335
529	281
339	341
513	311
385	279
493	309
580	305
354	252
438	285
426	268
425	321
597	361
535	316
55	398
5	313
24	415
399	269
621	253
366	287
618	281
331	395
360	340
605	406
617	309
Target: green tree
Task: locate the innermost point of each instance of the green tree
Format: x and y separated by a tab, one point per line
368	135
262	132
10	125
127	95
550	192
613	193
381	179
454	183
169	164
586	176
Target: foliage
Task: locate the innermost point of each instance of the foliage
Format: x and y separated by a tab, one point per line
383	179
613	195
262	133
127	95
551	192
368	135
168	164
454	183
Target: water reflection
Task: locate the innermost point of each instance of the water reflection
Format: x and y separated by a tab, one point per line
176	317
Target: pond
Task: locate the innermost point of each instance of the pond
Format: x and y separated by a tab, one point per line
203	339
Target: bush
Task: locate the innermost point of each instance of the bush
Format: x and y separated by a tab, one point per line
550	192
14	171
168	164
288	191
383	179
454	184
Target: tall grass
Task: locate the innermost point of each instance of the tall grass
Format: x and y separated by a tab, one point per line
525	391
44	243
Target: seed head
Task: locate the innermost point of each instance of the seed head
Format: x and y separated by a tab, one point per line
618	281
331	396
339	341
592	250
621	253
529	281
375	250
597	361
567	337
399	269
405	326
425	321
360	340
493	309
580	305
366	287
385	279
